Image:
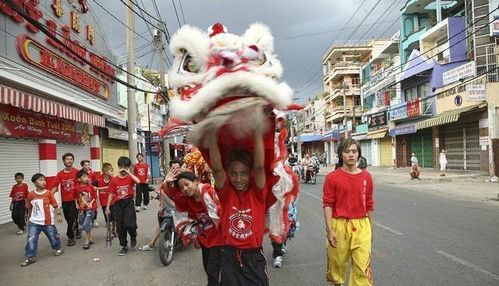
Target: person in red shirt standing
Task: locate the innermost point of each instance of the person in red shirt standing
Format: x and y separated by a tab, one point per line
141	170
348	205
87	205
243	196
66	180
198	205
121	192
92	177
103	182
18	195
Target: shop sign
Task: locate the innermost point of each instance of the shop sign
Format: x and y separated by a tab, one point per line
376	119
458	100
397	131
437	142
493	18
22	123
413	108
475	92
484	140
483	123
117	134
459	73
398	111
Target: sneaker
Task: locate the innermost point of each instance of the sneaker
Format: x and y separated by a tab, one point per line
71	242
137	209
28	261
58	252
96	223
20	231
86	246
144	207
133	242
284	249
146	248
123	251
277	262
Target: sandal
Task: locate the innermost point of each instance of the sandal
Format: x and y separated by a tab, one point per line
58	252
146	248
28	261
86	246
91	242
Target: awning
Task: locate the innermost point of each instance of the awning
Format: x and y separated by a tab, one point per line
359	136
27	101
447	116
310	138
377	134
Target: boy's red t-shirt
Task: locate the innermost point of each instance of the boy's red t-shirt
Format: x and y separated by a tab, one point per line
87	190
206	211
121	188
19	192
67	181
141	170
243	216
349	195
103	194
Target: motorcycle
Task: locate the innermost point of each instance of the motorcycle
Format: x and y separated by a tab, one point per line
310	175
296	169
167	237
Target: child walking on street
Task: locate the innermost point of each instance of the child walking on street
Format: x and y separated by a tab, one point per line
41	219
121	191
86	203
103	182
18	195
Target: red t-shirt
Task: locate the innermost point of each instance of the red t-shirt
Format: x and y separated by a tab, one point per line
19	192
67	181
121	188
206	211
141	170
350	195
104	193
86	194
243	216
39	203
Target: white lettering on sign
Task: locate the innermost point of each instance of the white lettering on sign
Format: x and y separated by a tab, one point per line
484	140
461	72
475	92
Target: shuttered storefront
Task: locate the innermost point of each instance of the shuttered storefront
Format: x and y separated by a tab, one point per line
365	147
112	149
16	155
385	149
81	152
463	146
421	144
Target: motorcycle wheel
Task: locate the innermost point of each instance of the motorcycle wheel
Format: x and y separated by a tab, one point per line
166	247
313	178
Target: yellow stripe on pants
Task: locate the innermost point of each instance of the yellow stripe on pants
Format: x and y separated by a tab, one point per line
353	238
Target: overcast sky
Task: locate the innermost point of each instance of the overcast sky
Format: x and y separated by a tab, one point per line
303	29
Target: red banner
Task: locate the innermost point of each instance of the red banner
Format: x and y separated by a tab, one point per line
413	108
22	123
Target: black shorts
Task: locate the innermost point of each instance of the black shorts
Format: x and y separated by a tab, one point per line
243	267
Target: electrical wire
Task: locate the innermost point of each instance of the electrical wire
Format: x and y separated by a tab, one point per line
140	16
176	13
182	11
377	20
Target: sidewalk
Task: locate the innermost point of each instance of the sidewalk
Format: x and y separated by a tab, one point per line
456	183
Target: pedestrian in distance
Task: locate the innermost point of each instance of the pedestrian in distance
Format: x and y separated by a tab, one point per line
141	171
41	204
122	192
103	182
18	196
85	165
414	159
243	195
66	180
86	204
348	205
443	161
164	202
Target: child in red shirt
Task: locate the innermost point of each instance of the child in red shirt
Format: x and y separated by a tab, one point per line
243	196
41	204
18	195
92	177
121	192
87	206
141	170
200	209
102	183
348	204
66	179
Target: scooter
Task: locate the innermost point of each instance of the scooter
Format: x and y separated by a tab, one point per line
167	237
312	174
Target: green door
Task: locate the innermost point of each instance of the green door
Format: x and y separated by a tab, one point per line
422	145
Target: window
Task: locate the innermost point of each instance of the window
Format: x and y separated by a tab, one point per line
355	81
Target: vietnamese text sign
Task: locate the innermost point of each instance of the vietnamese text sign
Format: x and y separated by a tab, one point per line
413	108
461	72
475	92
398	111
484	140
377	119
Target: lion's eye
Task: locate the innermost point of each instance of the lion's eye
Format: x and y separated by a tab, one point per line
189	65
262	58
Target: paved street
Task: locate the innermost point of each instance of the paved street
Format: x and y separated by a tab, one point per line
422	237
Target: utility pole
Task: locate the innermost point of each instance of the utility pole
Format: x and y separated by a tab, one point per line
160	48
298	134
344	109
131	104
293	134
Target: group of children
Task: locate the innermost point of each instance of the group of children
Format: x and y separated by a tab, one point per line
81	191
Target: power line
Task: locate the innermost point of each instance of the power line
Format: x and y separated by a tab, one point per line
140	16
159	16
176	13
144	10
367	16
182	11
45	31
377	20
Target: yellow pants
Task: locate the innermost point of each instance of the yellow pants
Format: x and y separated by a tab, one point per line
353	238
